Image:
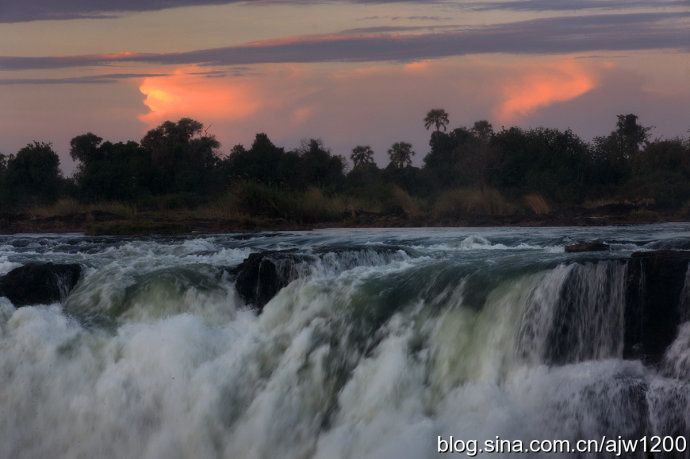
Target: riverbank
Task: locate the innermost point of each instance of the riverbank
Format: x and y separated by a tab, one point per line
104	222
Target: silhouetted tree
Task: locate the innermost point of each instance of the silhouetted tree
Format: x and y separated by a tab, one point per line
33	175
4	192
443	166
436	117
661	172
362	155
319	167
483	130
84	148
111	171
612	154
261	163
364	173
547	161
632	135
183	156
400	154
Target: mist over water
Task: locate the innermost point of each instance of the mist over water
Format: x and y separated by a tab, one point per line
384	340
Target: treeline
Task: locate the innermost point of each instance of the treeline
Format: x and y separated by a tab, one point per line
468	170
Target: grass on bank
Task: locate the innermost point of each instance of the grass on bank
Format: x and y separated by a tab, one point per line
460	202
251	206
69	206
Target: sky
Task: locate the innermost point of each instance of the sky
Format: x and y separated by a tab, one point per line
358	72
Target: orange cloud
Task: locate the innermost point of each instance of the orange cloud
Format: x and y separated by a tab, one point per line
417	66
537	89
189	92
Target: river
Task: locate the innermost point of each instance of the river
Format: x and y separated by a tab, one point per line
383	343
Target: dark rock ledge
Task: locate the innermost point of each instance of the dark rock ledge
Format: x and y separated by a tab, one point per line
39	283
587	247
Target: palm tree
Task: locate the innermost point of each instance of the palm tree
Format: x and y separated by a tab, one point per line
437	117
401	154
362	155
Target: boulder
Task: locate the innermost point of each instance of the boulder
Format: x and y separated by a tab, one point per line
587	247
261	275
655	290
39	283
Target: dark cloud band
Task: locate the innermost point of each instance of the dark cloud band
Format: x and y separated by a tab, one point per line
571	5
37	10
92	79
570	34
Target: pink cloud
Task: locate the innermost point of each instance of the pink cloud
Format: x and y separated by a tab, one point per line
188	92
543	86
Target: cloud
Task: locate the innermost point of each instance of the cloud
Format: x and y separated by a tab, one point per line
570	5
107	78
543	87
291	101
188	92
36	10
406	18
556	35
377	29
369	104
619	90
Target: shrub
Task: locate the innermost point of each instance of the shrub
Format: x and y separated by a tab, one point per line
470	201
536	203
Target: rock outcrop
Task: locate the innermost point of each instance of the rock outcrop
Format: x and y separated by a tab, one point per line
609	308
39	283
587	247
655	303
261	275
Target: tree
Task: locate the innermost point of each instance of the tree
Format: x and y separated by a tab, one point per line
4	195
33	175
261	163
84	148
362	155
436	117
483	130
182	155
401	154
444	165
318	167
612	154
553	163
661	172
632	135
111	171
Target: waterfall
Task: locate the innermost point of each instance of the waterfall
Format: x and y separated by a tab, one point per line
373	344
575	313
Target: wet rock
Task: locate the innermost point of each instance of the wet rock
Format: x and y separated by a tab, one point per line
587	247
261	275
39	283
655	288
587	314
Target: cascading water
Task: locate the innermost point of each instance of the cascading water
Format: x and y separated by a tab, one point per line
375	343
575	313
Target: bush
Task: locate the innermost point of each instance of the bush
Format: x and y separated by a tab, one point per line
470	201
309	206
536	203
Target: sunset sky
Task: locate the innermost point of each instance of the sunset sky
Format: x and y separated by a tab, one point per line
348	72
